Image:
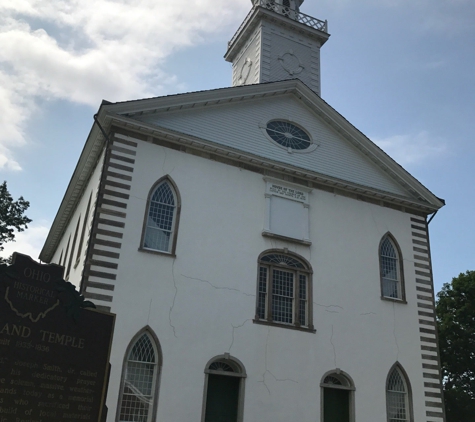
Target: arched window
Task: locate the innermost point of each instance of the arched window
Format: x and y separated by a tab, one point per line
391	270
161	218
224	390
139	389
337	397
398	396
284	290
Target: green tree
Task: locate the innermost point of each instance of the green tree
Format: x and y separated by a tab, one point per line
455	311
12	217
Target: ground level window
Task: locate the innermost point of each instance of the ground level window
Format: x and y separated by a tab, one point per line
398	397
140	381
337	398
224	390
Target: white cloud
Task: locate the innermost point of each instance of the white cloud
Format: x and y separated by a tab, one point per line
28	242
86	50
412	149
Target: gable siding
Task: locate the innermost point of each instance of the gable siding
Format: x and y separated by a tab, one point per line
237	126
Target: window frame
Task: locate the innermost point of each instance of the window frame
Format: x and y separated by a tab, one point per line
408	393
307	270
159	363
400	266
263	127
176	217
240	372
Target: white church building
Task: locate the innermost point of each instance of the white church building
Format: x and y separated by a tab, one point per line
266	261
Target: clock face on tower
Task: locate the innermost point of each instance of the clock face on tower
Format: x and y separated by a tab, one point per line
245	71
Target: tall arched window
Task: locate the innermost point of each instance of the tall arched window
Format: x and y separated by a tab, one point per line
337	397
284	290
224	390
391	269
161	218
398	396
140	374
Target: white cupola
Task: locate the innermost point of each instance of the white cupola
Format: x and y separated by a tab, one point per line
276	42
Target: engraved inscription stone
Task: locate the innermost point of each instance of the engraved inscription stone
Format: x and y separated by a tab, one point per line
54	354
287	192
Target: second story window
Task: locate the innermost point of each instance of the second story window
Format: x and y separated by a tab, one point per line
161	220
392	286
284	294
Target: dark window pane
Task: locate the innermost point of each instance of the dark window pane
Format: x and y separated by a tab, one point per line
222	398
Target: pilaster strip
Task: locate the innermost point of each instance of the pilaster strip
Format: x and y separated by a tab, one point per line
102	259
429	340
102	286
116	194
97	296
123	159
123	150
110	233
113	223
427	324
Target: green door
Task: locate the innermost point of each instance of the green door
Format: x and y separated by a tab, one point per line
336	405
222	398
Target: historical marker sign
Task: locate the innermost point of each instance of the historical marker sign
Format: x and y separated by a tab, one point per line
54	354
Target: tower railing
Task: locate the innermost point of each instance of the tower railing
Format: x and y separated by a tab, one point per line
286	11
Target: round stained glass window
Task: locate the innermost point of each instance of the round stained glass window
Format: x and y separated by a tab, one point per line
288	135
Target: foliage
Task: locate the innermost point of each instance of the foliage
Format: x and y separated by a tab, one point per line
12	217
455	310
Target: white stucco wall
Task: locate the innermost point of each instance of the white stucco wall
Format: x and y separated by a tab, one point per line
201	303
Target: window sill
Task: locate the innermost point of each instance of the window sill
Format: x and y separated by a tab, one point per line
154	252
394	299
276	324
266	233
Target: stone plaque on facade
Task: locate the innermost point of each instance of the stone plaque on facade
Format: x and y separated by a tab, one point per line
54	351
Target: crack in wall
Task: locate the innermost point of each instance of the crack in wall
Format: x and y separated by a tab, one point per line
330	308
267	371
374	220
174	299
234	328
394	332
164	159
265	362
369	313
149	309
218	287
334	350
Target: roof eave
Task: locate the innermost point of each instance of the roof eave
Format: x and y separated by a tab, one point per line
209	146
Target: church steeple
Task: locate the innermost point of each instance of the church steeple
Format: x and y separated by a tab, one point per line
276	42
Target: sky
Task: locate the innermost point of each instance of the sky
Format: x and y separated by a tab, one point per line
401	71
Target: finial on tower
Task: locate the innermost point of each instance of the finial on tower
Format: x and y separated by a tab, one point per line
285	7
